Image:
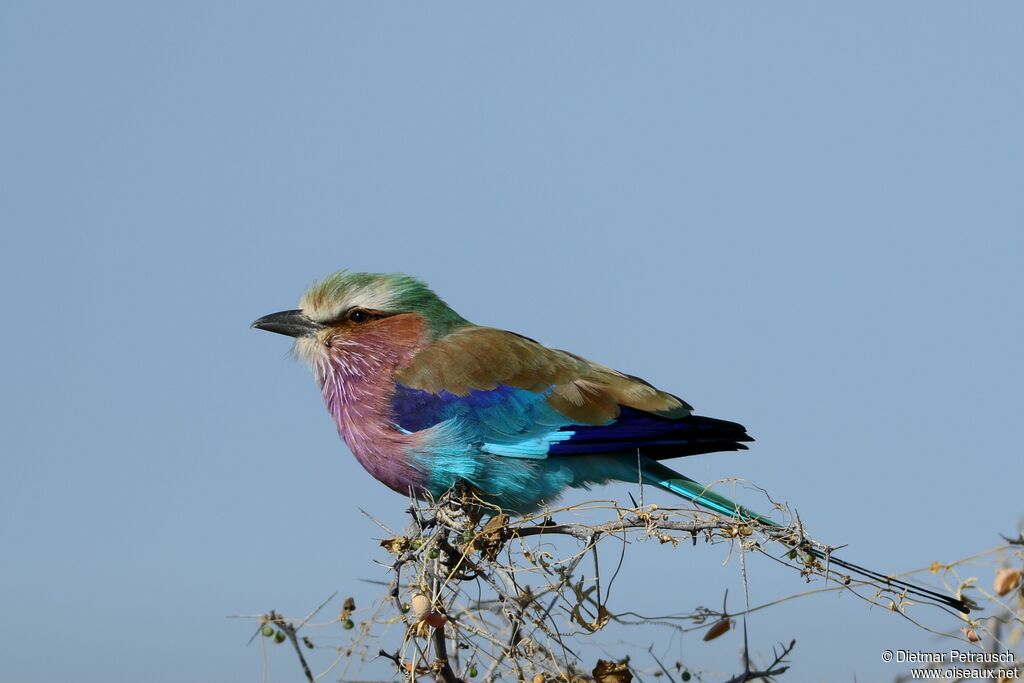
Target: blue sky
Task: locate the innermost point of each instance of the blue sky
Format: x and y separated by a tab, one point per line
806	217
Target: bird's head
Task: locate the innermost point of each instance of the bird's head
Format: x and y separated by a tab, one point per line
356	313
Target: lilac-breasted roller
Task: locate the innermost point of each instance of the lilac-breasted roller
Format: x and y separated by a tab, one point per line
426	400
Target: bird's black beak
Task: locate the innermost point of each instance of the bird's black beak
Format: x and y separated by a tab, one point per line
289	323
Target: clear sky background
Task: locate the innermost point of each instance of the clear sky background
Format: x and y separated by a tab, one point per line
806	217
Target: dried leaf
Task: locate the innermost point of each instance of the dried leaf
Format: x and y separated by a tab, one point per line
347	608
395	546
410	668
665	538
612	672
496	524
1006	580
492	537
603	617
419	629
718	628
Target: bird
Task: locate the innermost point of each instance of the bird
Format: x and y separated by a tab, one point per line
427	401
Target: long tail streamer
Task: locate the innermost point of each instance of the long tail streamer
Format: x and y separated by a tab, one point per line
664	477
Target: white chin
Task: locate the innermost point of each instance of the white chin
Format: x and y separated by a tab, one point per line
309	349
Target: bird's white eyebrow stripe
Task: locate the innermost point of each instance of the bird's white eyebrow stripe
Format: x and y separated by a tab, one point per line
376	297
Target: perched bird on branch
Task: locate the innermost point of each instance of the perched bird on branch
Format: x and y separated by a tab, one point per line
427	400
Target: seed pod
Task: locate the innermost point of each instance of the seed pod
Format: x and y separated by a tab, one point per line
472	671
436	619
718	628
419	608
1006	580
267	632
971	634
348	624
279	637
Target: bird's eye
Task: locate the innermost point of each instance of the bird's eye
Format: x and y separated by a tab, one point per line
358	315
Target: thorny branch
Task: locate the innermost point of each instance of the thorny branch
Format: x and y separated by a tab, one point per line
473	591
773	669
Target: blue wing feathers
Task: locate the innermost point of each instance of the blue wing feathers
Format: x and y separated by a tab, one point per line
658	437
521	423
504	414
